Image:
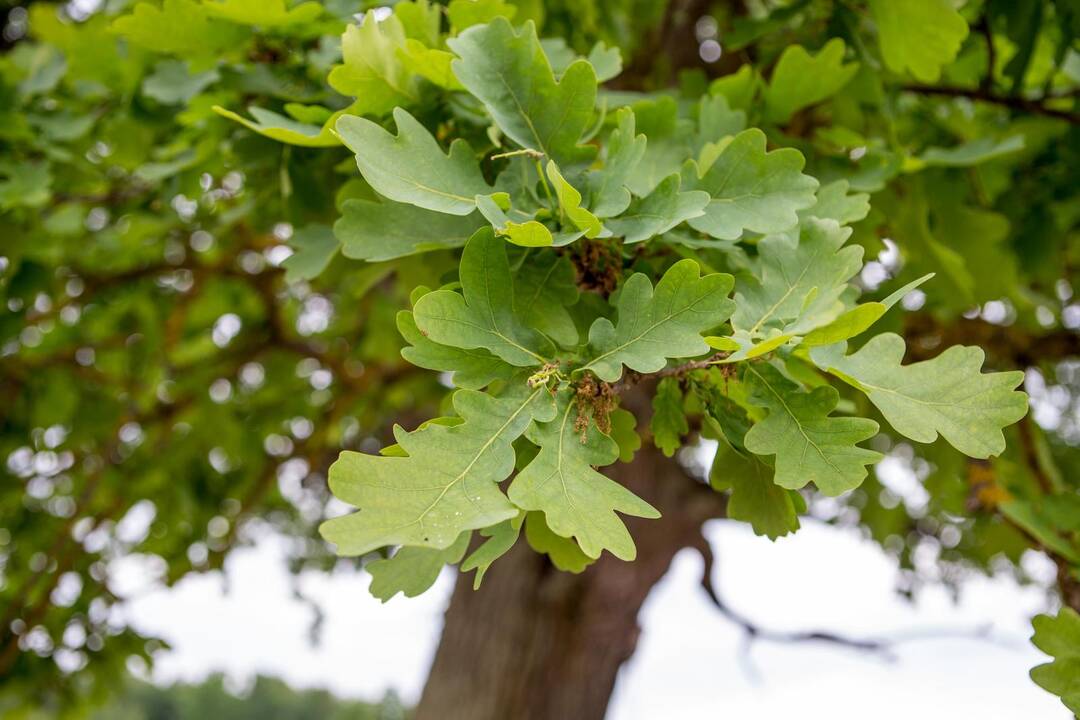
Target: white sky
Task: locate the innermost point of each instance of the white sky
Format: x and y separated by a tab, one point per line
689	663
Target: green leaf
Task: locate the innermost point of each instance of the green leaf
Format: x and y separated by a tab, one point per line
834	203
472	369
510	74
668	422
606	61
500	538
25	184
377	231
918	36
655	326
179	27
801	79
429	63
576	500
372	70
624	432
717	121
972	153
411	167
755	498
530	234
314	246
545	284
668	143
947	395
1059	637
809	444
608	194
859	318
466	13
661	210
264	13
172	84
412	570
448	482
283	129
565	554
570	203
483	316
751	189
797	285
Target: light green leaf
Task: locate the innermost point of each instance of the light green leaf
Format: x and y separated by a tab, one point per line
412	570
377	231
668	422
314	247
472	369
264	13
716	121
834	203
739	87
972	153
545	284
576	500
668	144
172	84
178	27
510	74
801	79
283	129
918	36
655	326
809	444
421	20
530	233
947	395
373	71
606	61
798	285
500	538
429	63
608	194
661	210
859	318
751	189
466	13
565	554
411	167
624	432
570	203
25	184
1059	637
483	315
448	482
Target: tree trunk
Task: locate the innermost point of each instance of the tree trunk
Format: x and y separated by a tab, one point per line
534	643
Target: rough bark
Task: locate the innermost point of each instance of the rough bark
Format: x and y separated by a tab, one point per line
534	643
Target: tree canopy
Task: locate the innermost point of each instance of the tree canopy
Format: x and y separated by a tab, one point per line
386	281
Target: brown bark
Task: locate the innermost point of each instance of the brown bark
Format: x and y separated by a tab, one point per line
534	643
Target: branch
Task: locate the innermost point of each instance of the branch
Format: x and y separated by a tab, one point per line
982	94
754	631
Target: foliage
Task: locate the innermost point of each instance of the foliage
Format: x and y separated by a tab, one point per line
267	697
244	240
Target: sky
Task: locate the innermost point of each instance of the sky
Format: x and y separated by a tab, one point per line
691	661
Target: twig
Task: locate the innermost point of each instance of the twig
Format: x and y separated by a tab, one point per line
983	95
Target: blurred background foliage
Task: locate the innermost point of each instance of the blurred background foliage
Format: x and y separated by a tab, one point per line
184	350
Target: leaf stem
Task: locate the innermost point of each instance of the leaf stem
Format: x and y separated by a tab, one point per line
547	190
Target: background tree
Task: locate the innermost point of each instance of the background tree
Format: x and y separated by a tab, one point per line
621	226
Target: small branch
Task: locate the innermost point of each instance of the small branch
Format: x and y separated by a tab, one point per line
988	80
755	632
983	95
